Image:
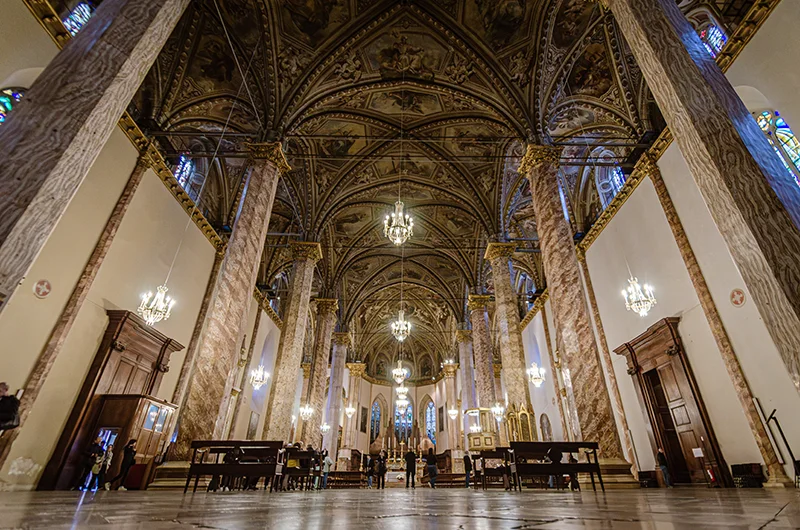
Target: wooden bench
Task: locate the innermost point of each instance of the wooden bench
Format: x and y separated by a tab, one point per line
488	475
446	480
302	473
346	479
528	460
254	459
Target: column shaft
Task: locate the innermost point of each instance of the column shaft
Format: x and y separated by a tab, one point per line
209	391
333	409
326	321
57	130
290	351
354	400
469	397
482	349
573	326
450	370
752	198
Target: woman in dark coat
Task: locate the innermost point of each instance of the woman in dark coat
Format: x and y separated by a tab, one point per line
430	460
128	459
381	465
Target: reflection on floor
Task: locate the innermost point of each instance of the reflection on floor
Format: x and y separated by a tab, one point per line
405	509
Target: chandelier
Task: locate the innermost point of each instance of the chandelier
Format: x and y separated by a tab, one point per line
258	377
402	399
536	375
398	227
475	428
324	428
306	411
349	411
399	374
156	308
453	413
639	299
401	327
498	410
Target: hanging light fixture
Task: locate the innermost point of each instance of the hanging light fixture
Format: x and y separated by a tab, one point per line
402	399
475	428
399	374
258	377
324	428
306	411
401	328
156	308
536	375
453	413
349	411
398	226
638	298
498	410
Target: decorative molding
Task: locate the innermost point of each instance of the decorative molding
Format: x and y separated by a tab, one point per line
478	301
326	305
263	303
306	367
356	369
341	339
499	250
450	369
463	335
302	250
272	151
498	368
538	305
538	154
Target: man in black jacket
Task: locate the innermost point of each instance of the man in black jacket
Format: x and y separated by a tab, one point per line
467	468
9	409
411	467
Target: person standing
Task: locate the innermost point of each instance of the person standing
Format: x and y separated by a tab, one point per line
430	460
381	465
128	459
411	467
467	469
109	456
370	471
9	409
664	465
327	462
90	460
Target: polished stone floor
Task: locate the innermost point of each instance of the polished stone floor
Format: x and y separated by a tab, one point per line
405	509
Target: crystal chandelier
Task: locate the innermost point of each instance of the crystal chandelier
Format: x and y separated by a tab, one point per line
399	374
398	227
402	399
349	411
453	413
498	410
259	377
638	298
306	411
475	428
536	375
324	428
401	328
156	308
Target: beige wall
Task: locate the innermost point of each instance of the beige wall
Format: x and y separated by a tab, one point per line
544	399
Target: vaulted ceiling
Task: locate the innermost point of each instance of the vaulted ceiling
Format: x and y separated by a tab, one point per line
428	100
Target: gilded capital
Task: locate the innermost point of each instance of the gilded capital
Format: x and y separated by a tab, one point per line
450	369
499	250
271	151
463	335
478	301
306	250
647	165
537	155
356	369
341	339
306	370
327	306
497	369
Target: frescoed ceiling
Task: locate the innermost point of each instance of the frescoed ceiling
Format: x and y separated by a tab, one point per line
429	100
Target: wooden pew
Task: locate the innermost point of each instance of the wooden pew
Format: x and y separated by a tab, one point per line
346	479
303	472
493	475
528	460
256	459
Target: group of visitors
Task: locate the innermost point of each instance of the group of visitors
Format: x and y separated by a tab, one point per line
319	461
97	460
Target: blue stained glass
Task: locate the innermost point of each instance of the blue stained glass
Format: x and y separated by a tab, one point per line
713	39
78	18
184	171
8	98
430	422
403	424
375	422
783	141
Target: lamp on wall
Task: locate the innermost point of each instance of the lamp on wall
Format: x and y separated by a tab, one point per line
349	411
536	375
453	413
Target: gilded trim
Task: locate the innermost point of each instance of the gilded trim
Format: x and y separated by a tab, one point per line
538	305
263	303
499	250
306	250
272	151
478	301
538	154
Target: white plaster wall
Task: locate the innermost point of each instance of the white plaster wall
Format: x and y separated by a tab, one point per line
544	399
24	41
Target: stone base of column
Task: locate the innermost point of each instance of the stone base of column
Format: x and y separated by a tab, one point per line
172	475
779	482
616	472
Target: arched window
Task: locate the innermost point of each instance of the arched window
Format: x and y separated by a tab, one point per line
609	180
403	423
8	98
782	139
713	38
184	172
430	421
78	18
375	422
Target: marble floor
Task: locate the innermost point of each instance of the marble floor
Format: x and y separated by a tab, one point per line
404	509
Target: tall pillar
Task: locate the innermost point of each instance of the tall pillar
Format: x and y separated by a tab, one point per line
450	370
57	130
44	363
573	327
482	349
326	321
204	415
354	399
290	352
333	409
497	370
777	474
469	398
751	196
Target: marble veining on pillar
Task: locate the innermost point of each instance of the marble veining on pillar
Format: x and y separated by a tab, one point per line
333	408
354	400
326	321
482	350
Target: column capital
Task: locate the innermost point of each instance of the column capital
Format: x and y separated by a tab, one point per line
356	369
499	250
306	250
326	306
463	335
306	370
497	369
450	369
478	301
539	154
341	338
271	151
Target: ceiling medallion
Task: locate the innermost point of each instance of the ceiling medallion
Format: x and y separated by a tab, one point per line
638	298
401	328
399	374
156	308
398	227
536	375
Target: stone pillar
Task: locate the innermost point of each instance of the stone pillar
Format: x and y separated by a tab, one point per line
777	474
44	363
204	415
753	200
573	327
482	349
57	130
333	409
497	370
290	352
468	396
450	370
326	321
354	399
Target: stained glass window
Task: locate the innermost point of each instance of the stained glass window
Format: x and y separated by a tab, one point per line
184	171
403	424
609	180
713	39
78	18
375	422
783	141
8	98
430	421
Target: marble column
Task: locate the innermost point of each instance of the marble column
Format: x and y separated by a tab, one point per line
354	400
469	398
482	349
333	408
326	321
497	369
44	363
57	130
573	326
777	474
290	352
450	370
753	200
205	413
